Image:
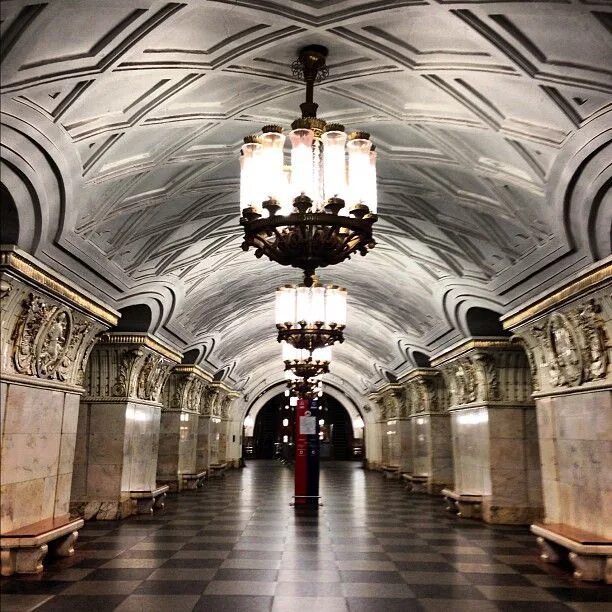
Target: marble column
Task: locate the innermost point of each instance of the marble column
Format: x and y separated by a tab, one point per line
48	329
178	436
495	444
119	423
431	443
567	333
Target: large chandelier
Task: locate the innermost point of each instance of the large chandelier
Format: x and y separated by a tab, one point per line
310	318
305	388
305	364
320	210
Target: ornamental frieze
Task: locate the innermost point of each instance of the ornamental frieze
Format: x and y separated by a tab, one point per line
487	371
43	338
425	391
128	367
570	347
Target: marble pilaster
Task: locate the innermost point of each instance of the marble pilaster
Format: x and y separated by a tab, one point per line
495	445
567	334
119	424
48	327
431	445
391	423
178	436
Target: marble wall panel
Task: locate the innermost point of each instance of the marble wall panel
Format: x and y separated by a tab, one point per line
421	426
37	448
405	458
203	459
576	455
471	451
3	391
440	449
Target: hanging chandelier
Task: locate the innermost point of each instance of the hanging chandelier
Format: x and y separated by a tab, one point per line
321	209
310	318
305	388
305	364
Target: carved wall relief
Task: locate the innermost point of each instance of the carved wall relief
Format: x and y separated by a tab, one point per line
569	347
43	338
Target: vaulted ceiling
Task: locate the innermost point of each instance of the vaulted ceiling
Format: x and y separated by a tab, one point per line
122	122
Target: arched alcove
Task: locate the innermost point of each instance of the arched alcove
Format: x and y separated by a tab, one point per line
484	322
135	318
421	359
9	218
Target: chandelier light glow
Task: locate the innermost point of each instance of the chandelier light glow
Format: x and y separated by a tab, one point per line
321	209
305	364
310	318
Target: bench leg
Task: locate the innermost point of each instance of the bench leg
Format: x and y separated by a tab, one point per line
64	547
551	553
23	560
144	505
190	485
159	502
450	505
468	510
589	568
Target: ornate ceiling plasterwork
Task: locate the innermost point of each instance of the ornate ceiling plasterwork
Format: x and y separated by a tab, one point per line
142	107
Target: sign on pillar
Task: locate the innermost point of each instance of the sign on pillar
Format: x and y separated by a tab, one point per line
307	453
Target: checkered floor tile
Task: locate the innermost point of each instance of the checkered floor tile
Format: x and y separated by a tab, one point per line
237	545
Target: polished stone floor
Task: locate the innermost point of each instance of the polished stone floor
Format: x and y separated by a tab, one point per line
237	545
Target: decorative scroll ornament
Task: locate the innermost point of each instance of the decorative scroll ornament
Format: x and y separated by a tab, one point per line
588	320
486	375
124	383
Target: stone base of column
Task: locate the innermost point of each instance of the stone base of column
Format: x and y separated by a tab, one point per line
103	510
500	514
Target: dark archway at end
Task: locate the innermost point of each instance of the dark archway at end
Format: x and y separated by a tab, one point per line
484	322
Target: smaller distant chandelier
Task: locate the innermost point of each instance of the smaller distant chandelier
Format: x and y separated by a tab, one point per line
320	210
305	388
310	318
305	364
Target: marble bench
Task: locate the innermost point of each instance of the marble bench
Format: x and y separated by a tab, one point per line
22	550
463	505
194	480
415	483
217	469
391	471
148	501
589	553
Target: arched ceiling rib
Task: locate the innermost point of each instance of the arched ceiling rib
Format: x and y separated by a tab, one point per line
468	103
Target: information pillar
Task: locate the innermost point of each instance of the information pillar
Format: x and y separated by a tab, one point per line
307	453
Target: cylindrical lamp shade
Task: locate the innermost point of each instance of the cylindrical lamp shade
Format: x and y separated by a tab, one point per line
285	305
250	176
358	170
301	163
335	305
317	304
372	187
303	309
334	164
273	177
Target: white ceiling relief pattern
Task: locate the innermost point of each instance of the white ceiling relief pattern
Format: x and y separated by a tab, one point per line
469	103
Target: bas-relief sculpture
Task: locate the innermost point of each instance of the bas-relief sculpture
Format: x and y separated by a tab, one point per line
48	330
567	335
495	446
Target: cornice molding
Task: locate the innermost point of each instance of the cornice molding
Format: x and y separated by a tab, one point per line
141	339
24	267
468	345
193	369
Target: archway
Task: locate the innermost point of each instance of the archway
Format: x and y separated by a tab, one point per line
268	430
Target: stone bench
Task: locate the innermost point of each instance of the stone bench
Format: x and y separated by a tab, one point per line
22	550
148	501
391	471
463	505
589	553
415	483
217	469
194	480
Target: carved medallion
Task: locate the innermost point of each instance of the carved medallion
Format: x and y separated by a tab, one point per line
566	363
